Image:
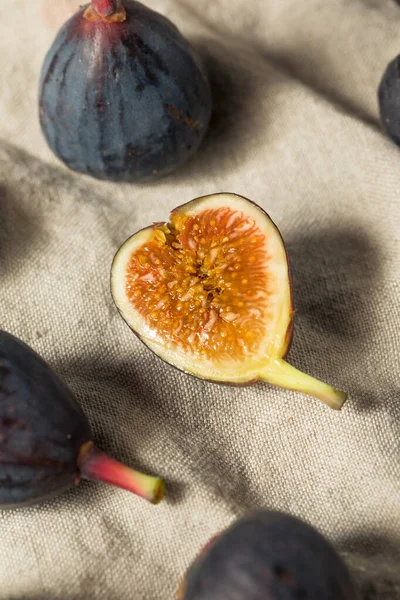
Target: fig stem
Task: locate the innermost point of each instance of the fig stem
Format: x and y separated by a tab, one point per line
280	373
109	11
97	465
105	8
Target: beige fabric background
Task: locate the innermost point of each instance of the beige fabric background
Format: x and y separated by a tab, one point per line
296	129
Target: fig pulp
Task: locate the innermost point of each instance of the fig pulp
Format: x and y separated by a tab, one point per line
210	293
123	96
268	555
45	439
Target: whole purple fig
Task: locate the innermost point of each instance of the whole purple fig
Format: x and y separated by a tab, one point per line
46	444
123	96
268	555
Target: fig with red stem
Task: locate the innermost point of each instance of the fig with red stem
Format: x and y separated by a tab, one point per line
123	95
46	445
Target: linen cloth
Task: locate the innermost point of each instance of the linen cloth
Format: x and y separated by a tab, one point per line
296	129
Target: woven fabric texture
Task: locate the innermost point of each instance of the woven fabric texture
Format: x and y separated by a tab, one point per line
296	129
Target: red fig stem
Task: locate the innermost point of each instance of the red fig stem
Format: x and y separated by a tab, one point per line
97	465
105	8
109	11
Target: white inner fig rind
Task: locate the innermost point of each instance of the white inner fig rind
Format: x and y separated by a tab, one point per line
266	362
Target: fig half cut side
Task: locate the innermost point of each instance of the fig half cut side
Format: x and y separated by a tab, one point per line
209	292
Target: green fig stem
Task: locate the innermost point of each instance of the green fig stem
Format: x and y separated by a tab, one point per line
97	465
280	373
109	11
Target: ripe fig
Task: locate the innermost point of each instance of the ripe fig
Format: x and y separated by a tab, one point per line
46	444
389	100
123	96
268	555
209	292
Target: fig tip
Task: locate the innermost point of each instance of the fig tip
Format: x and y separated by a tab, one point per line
159	491
341	398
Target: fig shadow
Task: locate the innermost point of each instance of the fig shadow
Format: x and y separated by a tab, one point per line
332	271
371	543
373	560
18	231
329	270
233	91
175	492
28	175
308	77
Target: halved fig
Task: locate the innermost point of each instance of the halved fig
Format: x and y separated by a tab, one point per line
209	292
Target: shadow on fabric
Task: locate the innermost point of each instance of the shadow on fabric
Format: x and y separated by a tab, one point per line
331	269
374	561
236	96
18	231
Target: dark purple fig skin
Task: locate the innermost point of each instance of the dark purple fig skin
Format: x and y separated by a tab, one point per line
42	428
269	556
389	100
123	101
